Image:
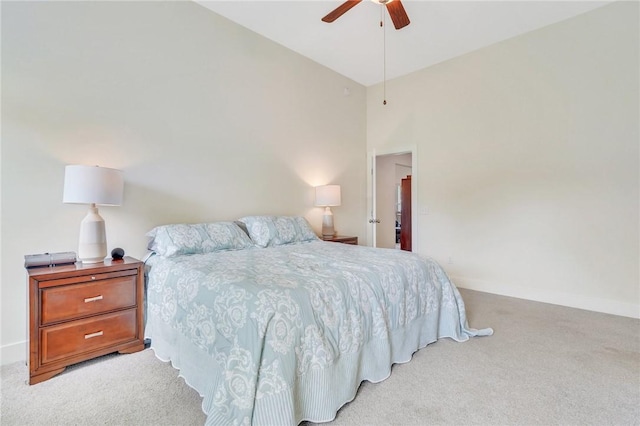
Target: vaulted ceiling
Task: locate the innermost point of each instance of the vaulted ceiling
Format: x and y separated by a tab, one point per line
355	45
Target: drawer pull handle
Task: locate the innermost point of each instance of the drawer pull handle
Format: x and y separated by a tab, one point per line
93	299
96	334
93	277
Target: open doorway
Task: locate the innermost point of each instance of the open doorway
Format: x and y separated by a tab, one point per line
392	198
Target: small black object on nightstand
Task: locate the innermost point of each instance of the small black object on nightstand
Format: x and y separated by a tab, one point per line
117	253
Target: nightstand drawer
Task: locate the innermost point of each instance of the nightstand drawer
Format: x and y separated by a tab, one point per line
80	300
77	337
79	279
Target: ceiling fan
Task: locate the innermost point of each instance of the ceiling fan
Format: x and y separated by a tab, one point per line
395	8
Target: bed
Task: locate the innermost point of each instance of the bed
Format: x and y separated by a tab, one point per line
273	326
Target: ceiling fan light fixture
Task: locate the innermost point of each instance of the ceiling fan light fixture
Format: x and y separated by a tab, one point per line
382	1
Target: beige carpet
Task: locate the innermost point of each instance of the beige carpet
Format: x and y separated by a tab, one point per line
544	365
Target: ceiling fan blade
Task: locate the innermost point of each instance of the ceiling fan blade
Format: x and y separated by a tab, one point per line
340	10
398	14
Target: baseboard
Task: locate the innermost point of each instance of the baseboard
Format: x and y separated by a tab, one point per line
607	306
13	352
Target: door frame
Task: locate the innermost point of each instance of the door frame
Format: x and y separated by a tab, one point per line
371	191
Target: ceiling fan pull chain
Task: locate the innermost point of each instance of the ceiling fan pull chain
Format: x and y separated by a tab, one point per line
384	57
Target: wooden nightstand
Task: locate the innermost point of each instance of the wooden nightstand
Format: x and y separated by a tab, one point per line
81	311
342	239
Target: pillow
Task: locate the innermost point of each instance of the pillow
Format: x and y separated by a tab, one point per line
267	231
242	226
179	239
305	231
227	236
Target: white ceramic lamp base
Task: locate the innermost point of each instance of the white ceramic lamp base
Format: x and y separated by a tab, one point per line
327	224
92	247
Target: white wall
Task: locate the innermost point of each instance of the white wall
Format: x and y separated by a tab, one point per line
528	150
528	157
208	121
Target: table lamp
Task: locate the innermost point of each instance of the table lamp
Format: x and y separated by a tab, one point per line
92	185
327	196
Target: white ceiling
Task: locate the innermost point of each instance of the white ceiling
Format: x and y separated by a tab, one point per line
353	44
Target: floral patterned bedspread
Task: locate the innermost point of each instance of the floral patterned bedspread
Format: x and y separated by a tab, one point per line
285	334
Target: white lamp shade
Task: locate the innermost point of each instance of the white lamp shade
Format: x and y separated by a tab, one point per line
93	185
328	195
